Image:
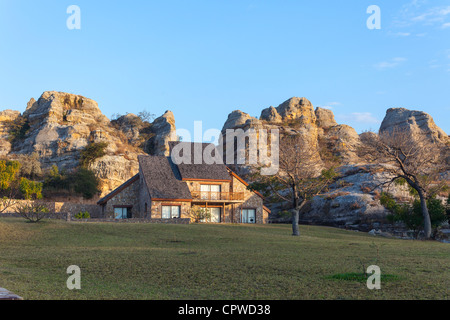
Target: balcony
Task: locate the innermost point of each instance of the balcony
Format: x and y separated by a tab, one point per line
202	196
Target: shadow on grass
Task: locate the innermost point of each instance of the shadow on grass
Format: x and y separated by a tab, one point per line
361	277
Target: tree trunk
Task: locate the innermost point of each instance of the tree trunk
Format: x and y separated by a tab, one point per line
295	228
426	215
295	216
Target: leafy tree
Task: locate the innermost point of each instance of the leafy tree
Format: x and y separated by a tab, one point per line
9	171
30	189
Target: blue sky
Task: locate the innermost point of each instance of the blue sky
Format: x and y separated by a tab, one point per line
204	59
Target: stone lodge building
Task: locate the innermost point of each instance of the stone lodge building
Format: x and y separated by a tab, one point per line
164	190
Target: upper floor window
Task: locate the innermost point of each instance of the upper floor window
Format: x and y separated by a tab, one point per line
210	191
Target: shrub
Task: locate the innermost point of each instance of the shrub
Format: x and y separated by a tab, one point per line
82	182
30	166
92	152
411	214
199	214
82	215
18	129
85	183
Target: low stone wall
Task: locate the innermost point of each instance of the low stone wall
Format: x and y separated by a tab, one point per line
59	210
138	220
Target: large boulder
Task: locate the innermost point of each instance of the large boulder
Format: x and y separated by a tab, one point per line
343	141
164	131
239	120
271	115
413	122
325	118
300	109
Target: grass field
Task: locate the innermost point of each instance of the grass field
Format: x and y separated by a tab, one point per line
151	261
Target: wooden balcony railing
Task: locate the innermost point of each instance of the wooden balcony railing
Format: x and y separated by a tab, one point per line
218	196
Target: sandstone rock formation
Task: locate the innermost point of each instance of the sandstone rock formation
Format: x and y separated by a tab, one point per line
325	118
60	125
414	122
296	116
294	108
163	131
350	203
239	120
6	117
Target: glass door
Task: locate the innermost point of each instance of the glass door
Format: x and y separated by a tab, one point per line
215	214
248	216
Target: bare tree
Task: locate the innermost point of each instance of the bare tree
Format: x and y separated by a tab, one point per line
415	158
302	175
33	211
7	202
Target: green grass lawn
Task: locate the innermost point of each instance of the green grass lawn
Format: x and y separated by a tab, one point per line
151	261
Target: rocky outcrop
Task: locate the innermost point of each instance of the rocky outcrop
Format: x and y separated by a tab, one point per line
343	141
353	202
296	116
163	131
239	120
271	115
300	109
131	125
59	125
325	118
413	122
6	117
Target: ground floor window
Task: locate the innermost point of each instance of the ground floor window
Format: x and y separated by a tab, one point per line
170	212
122	213
248	216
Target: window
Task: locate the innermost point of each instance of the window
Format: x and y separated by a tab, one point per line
122	213
210	191
248	216
170	212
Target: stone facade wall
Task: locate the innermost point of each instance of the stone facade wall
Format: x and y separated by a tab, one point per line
156	208
251	201
145	203
127	197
